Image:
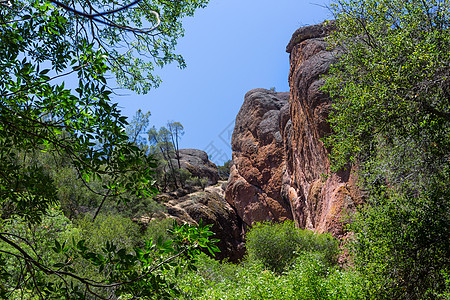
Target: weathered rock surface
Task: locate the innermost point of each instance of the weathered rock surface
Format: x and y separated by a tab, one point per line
280	167
210	206
319	198
254	185
197	163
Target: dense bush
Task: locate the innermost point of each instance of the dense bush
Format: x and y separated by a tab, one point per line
37	237
158	229
276	245
309	278
391	116
402	246
119	230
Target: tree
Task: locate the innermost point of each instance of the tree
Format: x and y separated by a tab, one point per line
391	116
177	131
131	52
224	171
138	126
162	141
42	42
165	145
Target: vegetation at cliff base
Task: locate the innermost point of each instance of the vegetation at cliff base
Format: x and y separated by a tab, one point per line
276	246
283	262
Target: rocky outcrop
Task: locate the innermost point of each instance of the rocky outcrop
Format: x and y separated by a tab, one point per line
210	206
191	204
280	167
197	163
319	198
254	185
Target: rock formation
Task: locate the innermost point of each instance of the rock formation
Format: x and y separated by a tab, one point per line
319	199
197	163
254	185
192	203
280	166
210	206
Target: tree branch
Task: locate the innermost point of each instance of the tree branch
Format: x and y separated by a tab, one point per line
94	17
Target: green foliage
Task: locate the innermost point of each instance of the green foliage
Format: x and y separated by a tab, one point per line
402	246
164	145
308	278
184	177
273	245
276	245
81	130
112	228
196	181
390	85
36	239
158	229
224	171
138	126
391	116
76	196
103	257
132	50
136	207
79	125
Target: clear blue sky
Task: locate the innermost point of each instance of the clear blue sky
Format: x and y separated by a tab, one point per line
230	47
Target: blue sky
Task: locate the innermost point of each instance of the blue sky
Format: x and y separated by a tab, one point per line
230	47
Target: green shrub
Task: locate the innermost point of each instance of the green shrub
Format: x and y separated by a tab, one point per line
158	229
119	230
276	245
309	278
36	239
136	207
224	171
402	245
210	274
322	243
197	181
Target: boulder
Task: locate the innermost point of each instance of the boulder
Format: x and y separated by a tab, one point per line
197	163
210	206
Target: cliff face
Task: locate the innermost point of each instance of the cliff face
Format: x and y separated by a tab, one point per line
254	186
280	166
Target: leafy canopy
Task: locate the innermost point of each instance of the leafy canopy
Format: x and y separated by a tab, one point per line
392	81
391	116
44	44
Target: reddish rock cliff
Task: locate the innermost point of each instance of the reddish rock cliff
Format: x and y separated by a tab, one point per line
254	186
280	166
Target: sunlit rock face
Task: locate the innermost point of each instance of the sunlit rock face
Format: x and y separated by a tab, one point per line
281	168
254	186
